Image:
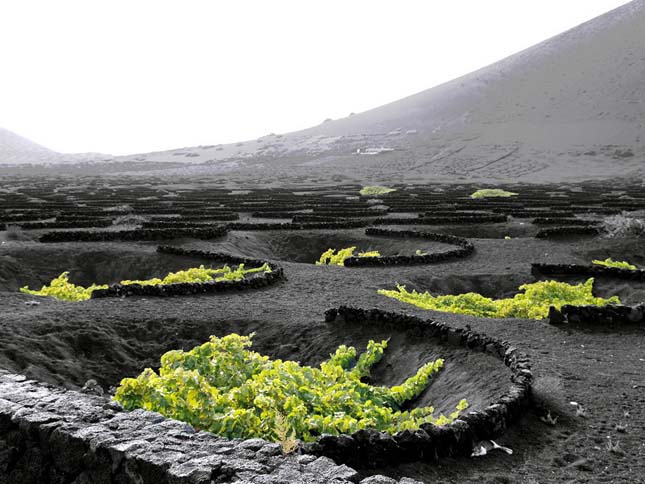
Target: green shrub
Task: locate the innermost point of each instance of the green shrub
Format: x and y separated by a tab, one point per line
376	190
612	263
532	303
333	258
370	253
224	388
202	274
492	192
61	288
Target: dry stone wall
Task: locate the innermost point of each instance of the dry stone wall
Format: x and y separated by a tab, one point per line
56	436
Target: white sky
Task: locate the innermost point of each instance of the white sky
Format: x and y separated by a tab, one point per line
127	76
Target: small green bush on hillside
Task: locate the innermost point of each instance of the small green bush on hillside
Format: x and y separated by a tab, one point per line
224	388
492	192
376	190
532	303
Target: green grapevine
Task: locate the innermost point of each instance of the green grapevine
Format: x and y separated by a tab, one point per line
492	192
532	303
612	263
376	190
202	274
370	253
225	388
61	288
333	258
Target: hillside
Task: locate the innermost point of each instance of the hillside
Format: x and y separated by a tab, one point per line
569	108
16	150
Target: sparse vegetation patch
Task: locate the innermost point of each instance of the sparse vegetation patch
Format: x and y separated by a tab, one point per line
376	190
492	192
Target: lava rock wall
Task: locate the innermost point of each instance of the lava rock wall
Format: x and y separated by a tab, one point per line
185	288
371	448
567	231
56	436
464	249
138	234
605	316
595	270
347	224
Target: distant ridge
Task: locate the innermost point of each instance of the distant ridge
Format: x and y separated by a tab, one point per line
17	150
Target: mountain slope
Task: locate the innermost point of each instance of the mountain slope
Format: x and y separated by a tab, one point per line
591	75
16	150
571	107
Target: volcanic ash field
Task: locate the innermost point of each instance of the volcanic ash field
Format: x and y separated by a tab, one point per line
565	391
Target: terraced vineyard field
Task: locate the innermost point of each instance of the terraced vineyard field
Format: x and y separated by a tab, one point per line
179	262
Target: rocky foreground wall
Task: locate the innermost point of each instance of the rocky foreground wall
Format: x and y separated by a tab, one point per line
56	436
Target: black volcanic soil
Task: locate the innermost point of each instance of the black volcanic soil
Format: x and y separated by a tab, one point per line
307	246
35	265
602	369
